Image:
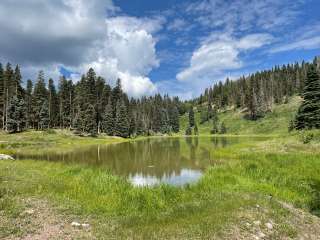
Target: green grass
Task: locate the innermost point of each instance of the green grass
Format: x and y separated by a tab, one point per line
246	174
274	123
36	142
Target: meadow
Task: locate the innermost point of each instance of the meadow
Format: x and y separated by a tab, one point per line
268	189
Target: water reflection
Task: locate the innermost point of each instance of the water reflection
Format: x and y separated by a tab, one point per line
174	161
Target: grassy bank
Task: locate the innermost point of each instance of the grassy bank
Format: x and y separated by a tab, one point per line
36	142
246	175
249	186
274	123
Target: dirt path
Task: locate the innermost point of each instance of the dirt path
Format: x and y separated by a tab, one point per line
40	221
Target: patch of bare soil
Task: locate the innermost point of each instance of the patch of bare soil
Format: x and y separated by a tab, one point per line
40	221
259	223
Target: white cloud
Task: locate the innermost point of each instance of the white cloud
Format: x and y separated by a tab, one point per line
128	52
306	38
219	53
79	34
243	15
177	24
309	43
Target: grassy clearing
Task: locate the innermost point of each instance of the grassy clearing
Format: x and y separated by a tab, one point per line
244	176
36	142
249	182
274	123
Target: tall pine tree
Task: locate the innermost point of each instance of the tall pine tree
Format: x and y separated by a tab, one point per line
308	115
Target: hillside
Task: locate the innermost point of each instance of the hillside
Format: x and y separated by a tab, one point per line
275	122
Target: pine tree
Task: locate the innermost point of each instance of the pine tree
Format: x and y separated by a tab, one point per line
89	122
16	121
28	97
175	123
308	115
223	128
196	130
122	122
44	119
189	131
8	91
2	97
139	126
18	90
108	120
191	117
66	100
53	104
40	95
215	121
78	121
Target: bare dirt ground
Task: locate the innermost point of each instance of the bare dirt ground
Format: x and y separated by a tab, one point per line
39	220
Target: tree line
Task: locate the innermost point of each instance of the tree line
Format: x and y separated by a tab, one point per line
90	106
259	91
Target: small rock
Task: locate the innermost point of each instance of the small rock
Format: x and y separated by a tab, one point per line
269	226
85	225
261	235
5	157
29	211
75	224
248	224
257	223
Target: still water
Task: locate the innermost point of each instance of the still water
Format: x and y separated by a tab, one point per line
174	161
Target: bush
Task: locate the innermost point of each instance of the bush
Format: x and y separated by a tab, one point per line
306	137
189	131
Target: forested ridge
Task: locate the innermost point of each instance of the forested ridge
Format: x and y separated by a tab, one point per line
257	92
90	106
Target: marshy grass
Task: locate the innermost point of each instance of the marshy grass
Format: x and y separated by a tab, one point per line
244	176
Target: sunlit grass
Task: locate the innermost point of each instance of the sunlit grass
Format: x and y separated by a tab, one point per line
244	176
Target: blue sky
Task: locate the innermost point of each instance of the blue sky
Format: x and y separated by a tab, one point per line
168	46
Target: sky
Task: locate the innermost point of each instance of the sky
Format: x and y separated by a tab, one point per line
178	47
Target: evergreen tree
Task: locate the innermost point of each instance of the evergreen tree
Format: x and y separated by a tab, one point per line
66	100
78	121
16	121
44	118
89	121
139	126
53	102
122	122
191	117
40	95
28	97
108	120
203	116
308	115
175	123
223	128
196	130
2	97
189	131
18	90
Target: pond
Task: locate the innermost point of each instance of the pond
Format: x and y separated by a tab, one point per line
174	161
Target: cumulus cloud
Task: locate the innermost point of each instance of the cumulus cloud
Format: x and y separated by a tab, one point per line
218	53
78	34
128	52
